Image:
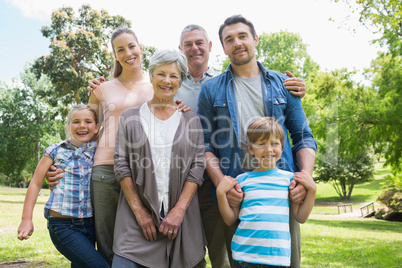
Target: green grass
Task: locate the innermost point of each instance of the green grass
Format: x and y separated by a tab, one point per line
328	239
38	248
364	192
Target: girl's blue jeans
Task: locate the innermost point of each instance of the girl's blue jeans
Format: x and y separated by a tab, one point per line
75	239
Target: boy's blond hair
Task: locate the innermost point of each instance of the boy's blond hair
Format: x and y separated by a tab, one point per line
262	129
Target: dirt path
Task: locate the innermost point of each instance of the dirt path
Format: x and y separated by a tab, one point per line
20	263
355	208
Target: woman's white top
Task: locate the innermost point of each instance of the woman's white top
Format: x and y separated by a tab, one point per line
160	134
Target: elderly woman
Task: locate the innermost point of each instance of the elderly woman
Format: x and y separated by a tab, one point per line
159	161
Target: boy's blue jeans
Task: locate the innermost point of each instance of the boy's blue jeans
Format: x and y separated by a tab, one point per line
75	239
240	264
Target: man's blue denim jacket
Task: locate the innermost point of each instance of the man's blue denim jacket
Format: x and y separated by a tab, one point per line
217	107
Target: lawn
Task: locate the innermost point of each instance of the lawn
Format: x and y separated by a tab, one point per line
364	192
328	239
333	241
38	248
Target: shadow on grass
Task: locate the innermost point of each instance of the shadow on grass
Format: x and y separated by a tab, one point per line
22	252
372	185
369	225
354	198
13	193
19	202
382	172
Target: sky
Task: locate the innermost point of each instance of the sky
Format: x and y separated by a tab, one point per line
331	43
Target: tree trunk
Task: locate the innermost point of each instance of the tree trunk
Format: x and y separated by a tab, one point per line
77	96
350	190
343	186
37	138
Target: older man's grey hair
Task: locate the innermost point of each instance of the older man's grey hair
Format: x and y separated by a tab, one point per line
190	28
168	56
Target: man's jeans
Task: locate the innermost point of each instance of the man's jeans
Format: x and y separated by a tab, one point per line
75	239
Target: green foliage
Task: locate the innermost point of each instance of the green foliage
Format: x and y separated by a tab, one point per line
24	119
381	16
384	120
78	53
362	193
392	194
225	64
384	117
147	53
336	106
347	171
285	51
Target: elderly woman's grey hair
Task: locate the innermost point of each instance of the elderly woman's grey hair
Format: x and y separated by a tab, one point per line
168	56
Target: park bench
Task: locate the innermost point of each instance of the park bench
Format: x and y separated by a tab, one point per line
367	210
344	206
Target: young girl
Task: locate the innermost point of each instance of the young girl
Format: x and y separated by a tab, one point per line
262	238
69	209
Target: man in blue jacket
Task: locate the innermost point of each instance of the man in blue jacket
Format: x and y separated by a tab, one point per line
229	102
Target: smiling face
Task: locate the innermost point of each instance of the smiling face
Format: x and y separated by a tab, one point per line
196	48
127	51
239	43
267	152
166	82
82	127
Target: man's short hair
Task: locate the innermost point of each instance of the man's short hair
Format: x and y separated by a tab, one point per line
233	20
190	28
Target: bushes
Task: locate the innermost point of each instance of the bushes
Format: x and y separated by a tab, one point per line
392	198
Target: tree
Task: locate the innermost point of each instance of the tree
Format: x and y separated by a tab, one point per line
285	51
381	16
24	120
384	17
345	172
147	53
392	194
385	116
336	106
79	52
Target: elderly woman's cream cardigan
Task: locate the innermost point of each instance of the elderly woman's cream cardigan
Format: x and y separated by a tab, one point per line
133	159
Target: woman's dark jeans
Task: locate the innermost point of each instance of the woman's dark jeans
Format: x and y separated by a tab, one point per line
75	239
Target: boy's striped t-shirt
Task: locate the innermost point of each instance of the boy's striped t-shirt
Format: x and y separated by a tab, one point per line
263	234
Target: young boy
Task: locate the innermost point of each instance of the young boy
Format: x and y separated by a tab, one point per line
262	237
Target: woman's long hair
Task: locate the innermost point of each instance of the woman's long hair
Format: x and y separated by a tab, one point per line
117	66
